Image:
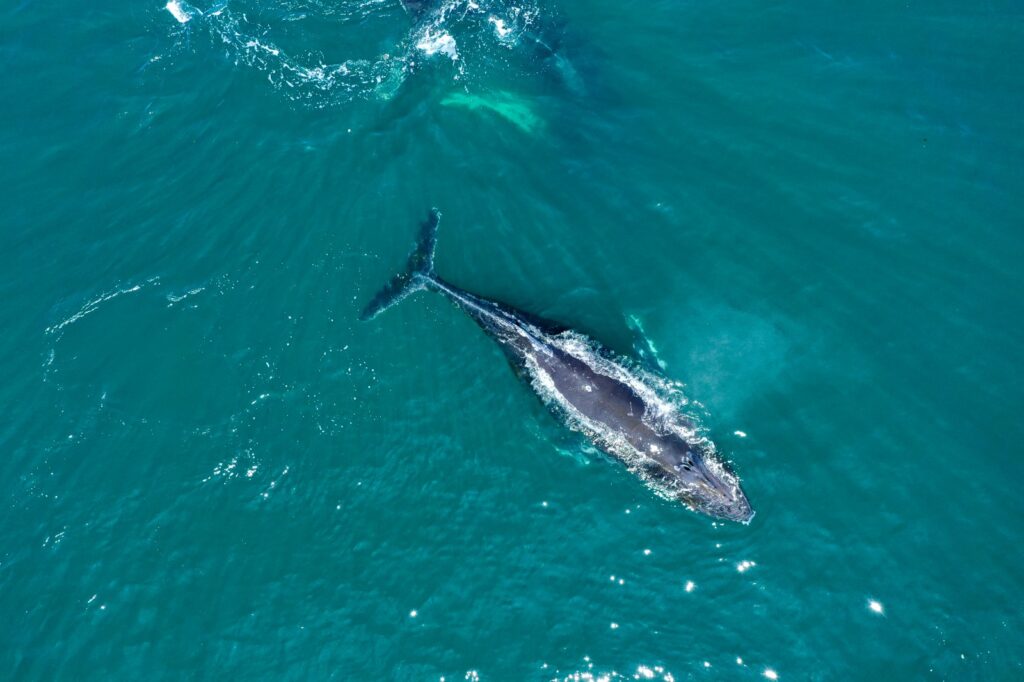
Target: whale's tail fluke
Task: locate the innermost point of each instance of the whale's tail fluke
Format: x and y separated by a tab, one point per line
418	270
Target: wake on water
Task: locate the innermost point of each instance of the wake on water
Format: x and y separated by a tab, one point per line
448	32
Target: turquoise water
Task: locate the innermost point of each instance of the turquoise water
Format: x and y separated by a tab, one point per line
213	470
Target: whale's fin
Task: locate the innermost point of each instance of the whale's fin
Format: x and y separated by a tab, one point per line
418	270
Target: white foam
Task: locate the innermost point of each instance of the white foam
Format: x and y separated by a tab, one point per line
499	26
178	11
93	305
177	298
432	43
317	84
323	85
270	49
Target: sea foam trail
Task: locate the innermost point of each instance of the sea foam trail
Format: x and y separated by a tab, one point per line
319	83
94	304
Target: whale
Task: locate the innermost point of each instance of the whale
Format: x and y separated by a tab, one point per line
613	405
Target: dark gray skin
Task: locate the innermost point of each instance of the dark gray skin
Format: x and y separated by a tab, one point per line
528	341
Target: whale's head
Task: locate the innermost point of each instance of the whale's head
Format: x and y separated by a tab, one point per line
704	484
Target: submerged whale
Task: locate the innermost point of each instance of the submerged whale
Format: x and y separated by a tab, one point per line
589	390
539	40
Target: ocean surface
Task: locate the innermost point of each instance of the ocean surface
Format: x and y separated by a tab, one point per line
809	215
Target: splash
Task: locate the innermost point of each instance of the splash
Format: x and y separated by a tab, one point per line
182	13
433	43
500	28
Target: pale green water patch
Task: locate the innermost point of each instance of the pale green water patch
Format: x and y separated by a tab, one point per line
508	106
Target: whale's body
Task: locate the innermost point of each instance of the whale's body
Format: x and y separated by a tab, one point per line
590	391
